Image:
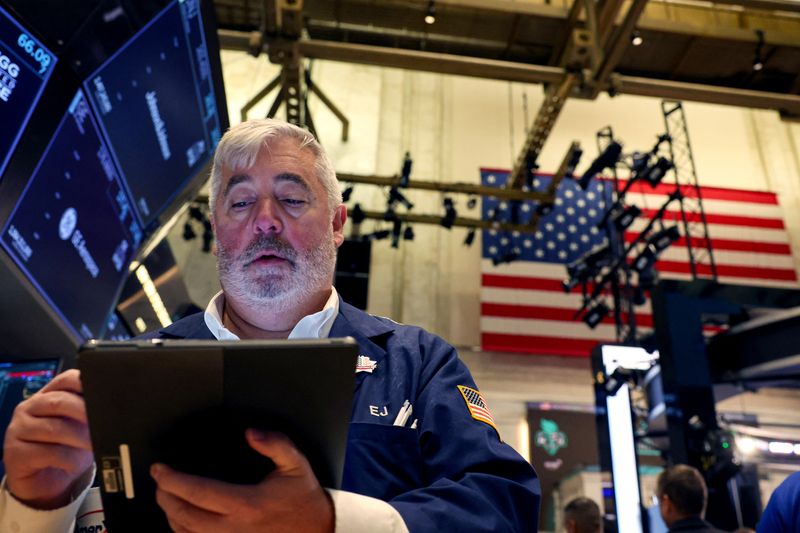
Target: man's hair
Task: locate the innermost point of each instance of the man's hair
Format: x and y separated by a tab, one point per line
239	148
686	489
585	513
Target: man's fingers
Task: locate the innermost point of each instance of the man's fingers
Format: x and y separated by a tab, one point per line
208	494
48	430
280	449
183	516
66	404
41	456
69	380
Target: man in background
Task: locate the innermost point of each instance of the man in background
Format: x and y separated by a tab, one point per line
582	515
782	513
682	498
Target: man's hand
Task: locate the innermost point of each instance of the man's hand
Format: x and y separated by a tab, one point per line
47	450
289	499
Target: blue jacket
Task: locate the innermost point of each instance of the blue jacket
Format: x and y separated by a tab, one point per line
450	472
782	513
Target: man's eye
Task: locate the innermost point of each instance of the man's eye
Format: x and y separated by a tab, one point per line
294	202
239	205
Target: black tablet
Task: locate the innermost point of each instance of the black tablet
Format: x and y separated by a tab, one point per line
187	403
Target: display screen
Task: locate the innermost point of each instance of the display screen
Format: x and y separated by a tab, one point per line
25	66
155	102
19	381
73	231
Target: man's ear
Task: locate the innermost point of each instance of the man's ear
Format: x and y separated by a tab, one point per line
339	218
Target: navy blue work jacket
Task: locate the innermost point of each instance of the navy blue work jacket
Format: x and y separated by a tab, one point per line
443	470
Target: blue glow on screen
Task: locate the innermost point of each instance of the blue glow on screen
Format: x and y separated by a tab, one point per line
155	102
73	232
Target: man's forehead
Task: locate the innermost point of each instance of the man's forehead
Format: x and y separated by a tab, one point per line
275	157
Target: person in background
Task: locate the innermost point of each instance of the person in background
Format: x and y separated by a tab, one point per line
423	453
682	497
582	515
782	513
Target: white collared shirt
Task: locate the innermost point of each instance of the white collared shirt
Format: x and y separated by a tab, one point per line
314	326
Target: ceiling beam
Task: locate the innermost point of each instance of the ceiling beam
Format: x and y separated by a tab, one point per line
524	73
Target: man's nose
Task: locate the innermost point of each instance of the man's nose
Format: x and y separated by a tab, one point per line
267	217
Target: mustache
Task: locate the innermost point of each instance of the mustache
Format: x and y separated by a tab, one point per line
261	243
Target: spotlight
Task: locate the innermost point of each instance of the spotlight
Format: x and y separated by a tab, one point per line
405	173
607	159
574	159
663	239
623	218
396	234
380	235
450	214
639	296
188	232
587	266
408	234
636	38
346	194
470	238
654	173
208	236
595	314
507	257
646	259
758	60
196	213
396	196
357	216
430	15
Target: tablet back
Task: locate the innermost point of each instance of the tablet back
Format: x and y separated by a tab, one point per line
187	403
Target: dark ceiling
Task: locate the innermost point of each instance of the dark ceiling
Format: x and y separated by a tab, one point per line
682	42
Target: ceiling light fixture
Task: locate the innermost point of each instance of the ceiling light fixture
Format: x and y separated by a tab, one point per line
758	61
430	14
636	38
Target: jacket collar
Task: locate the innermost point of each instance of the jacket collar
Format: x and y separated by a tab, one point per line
191	327
351	322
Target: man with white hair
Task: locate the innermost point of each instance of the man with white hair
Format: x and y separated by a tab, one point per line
423	452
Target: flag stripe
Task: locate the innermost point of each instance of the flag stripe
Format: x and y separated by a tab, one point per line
727	244
539	344
706	193
716	218
549	313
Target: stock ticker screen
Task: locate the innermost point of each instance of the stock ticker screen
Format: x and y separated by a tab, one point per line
25	66
73	231
155	102
19	381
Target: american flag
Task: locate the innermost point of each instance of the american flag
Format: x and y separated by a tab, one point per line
523	305
477	405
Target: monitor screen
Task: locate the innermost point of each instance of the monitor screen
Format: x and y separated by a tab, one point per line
155	102
25	66
19	381
73	232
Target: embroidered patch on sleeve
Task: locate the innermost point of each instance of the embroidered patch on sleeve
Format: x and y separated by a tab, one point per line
477	406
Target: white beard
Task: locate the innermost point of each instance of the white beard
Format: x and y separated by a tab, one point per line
280	291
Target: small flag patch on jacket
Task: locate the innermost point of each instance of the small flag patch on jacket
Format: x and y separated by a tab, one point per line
477	406
365	364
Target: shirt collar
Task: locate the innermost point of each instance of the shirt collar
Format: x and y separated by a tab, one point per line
314	326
